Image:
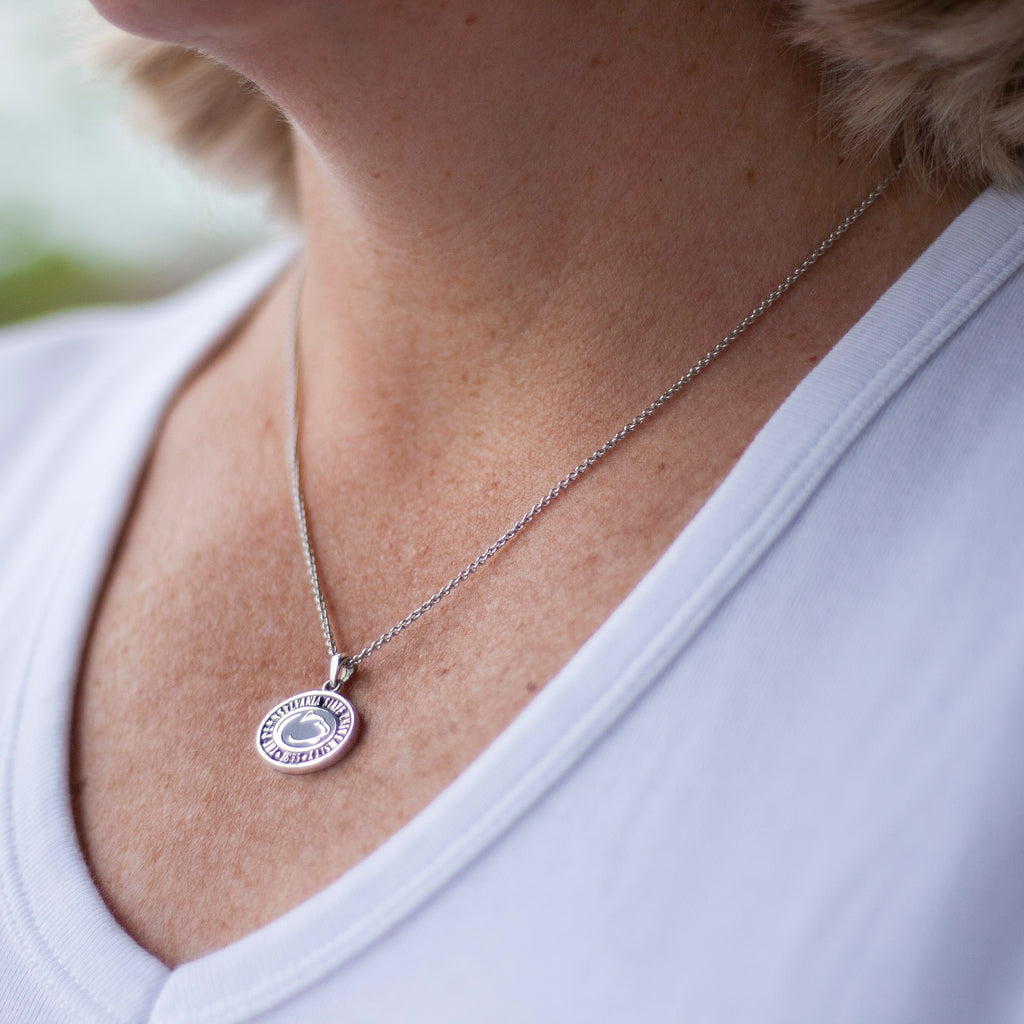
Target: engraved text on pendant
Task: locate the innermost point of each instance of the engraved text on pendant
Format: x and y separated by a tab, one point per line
308	731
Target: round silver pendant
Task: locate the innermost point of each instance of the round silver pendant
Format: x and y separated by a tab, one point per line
308	732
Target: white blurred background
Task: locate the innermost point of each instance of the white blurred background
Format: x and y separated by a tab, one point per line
92	208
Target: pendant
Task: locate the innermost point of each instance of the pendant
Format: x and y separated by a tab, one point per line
311	730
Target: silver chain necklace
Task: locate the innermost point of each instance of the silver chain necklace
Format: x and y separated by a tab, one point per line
314	729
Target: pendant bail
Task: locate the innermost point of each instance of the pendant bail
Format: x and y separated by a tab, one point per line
341	672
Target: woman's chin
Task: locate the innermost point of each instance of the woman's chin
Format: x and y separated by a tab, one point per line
189	22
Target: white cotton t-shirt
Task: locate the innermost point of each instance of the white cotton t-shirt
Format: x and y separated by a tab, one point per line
783	783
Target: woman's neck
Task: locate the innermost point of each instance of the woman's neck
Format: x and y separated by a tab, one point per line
573	199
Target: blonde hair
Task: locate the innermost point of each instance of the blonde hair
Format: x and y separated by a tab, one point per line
939	82
209	112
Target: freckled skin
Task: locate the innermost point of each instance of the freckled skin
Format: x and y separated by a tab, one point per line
510	249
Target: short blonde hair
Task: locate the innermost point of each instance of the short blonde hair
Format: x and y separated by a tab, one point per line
939	82
209	112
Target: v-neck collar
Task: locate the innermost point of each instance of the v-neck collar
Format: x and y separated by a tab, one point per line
102	972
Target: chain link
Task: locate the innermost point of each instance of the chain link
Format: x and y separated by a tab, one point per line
349	663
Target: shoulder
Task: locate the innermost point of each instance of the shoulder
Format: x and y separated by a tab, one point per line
54	369
82	393
50	367
66	350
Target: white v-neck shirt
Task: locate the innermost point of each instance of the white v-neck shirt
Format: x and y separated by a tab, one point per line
783	783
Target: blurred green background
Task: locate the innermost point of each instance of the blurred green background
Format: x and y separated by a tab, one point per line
92	208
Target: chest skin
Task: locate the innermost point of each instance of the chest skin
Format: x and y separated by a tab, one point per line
206	619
